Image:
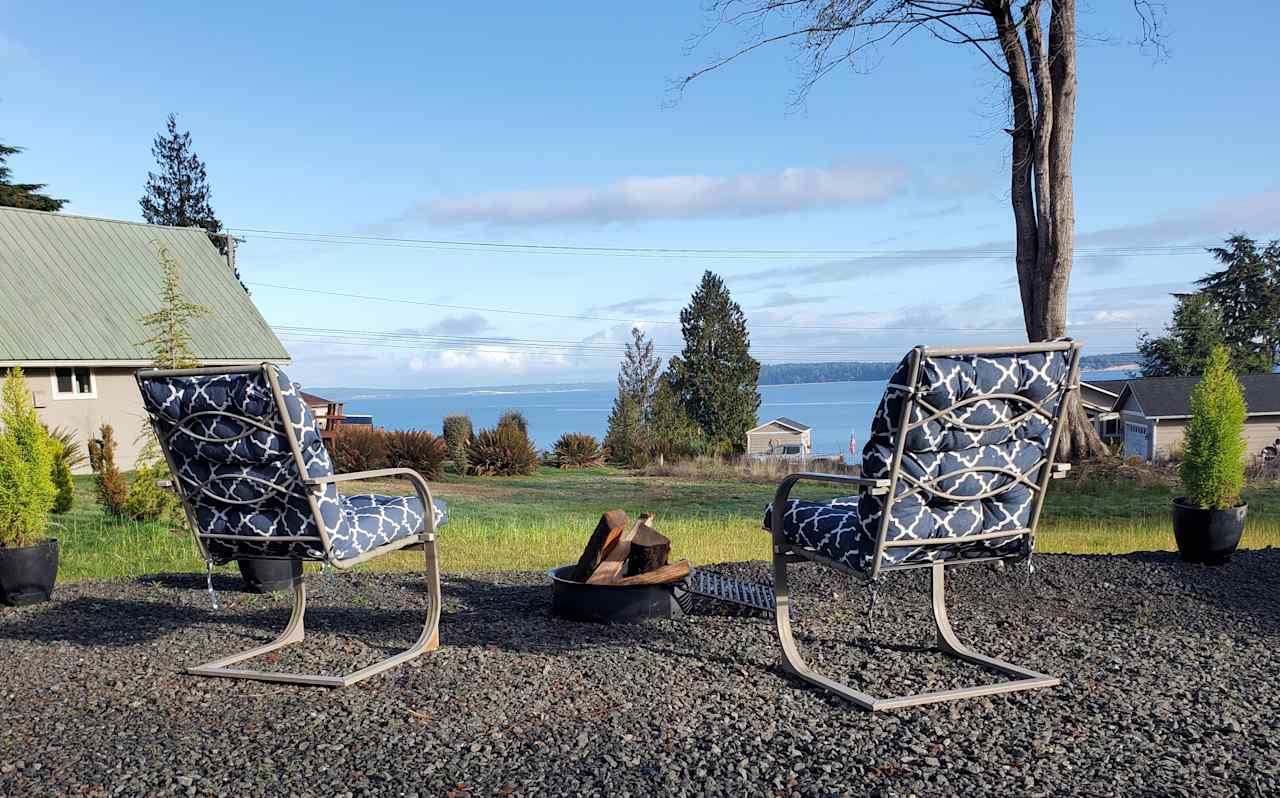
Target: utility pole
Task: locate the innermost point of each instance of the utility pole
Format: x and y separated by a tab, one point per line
231	256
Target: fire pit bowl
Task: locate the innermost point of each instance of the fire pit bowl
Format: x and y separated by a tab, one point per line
578	601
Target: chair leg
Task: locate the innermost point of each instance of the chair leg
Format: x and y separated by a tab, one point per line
948	643
429	640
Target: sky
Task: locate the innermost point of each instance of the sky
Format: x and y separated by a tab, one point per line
881	199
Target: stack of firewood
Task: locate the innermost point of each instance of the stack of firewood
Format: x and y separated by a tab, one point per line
622	552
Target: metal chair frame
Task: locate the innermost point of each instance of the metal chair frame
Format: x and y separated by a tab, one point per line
294	631
785	553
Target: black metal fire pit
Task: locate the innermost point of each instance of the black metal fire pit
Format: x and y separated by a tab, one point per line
578	601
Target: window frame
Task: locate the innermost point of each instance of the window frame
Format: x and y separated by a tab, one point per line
59	395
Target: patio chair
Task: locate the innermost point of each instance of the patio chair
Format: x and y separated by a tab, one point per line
256	482
961	450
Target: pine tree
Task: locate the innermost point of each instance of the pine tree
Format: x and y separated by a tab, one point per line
179	194
23	195
623	442
1247	294
669	432
638	375
1189	338
715	376
1212	467
27	492
170	338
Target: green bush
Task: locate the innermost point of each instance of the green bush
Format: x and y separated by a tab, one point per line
64	487
27	492
71	452
502	451
1213	466
624	439
515	418
148	499
109	483
358	447
416	449
578	450
457	434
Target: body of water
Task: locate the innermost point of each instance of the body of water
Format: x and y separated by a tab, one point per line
833	409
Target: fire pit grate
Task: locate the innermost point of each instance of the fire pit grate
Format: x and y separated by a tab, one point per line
704	587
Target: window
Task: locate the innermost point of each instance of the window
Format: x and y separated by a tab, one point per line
73	383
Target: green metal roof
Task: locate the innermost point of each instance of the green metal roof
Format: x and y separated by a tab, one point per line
75	289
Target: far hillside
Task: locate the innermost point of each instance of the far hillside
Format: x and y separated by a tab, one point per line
854	371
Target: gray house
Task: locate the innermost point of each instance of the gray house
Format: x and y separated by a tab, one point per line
75	290
1155	411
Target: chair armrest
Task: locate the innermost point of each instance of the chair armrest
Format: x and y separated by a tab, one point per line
420	487
875	487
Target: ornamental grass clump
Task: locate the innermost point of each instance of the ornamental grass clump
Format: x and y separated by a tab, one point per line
27	492
1212	468
416	449
503	451
578	450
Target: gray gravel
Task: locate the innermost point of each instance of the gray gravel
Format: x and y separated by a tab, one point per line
1170	688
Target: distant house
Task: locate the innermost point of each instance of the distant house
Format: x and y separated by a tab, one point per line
74	292
1098	397
780	437
1155	411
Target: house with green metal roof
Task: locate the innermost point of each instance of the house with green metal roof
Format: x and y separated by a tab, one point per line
75	290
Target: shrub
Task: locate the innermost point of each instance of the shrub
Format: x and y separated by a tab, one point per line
502	451
1213	467
358	447
26	466
457	433
148	500
515	419
112	489
577	450
71	452
416	449
64	487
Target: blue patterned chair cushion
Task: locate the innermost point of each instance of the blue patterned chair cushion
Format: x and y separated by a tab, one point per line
934	481
227	442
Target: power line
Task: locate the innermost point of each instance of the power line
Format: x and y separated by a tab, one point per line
825	328
498	247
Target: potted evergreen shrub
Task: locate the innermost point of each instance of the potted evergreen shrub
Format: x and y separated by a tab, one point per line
1209	519
28	561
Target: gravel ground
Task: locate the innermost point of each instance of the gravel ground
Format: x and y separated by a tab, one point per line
1170	687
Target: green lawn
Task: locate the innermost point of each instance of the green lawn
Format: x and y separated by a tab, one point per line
544	519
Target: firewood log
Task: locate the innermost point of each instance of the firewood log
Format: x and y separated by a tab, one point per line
659	576
611	526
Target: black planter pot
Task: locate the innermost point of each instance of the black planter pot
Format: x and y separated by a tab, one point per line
1207	536
27	574
269	576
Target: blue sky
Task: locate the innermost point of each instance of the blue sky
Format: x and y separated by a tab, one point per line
552	124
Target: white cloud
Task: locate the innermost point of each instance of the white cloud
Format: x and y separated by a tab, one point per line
676	197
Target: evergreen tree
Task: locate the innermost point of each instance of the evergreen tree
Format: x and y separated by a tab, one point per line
1247	294
170	338
1183	350
23	195
715	376
638	375
624	442
669	432
179	194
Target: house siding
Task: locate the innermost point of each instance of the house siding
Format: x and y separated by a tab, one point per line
1171	436
116	401
760	441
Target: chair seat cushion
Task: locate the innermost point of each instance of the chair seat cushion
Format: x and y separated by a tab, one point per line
837	531
831	529
374	520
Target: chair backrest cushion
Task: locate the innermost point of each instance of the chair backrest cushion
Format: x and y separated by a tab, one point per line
226	439
960	422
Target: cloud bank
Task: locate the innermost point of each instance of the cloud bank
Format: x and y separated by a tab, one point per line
676	197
